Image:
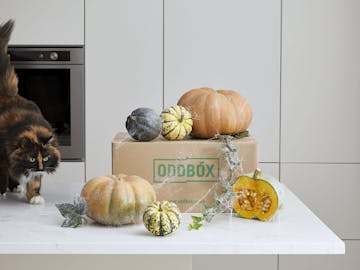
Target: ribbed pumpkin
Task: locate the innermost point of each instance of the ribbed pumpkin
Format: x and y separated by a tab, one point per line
257	196
216	112
118	199
177	123
143	124
162	218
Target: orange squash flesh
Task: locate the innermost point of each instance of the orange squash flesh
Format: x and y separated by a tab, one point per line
255	198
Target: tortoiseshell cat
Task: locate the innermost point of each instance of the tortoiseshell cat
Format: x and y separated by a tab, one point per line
28	146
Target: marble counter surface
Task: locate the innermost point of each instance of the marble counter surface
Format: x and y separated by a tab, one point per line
35	229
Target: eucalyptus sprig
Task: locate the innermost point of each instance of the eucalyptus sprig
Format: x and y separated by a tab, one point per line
223	201
73	213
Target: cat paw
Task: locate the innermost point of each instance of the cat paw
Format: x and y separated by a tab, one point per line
18	189
3	196
37	200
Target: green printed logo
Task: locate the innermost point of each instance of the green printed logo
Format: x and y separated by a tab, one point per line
186	170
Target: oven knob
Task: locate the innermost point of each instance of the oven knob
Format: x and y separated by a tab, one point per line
54	56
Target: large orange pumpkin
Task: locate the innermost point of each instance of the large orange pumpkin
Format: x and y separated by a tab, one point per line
216	112
118	199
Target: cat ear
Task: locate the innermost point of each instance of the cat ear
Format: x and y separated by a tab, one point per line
49	140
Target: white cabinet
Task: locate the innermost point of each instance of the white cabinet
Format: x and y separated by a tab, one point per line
91	262
248	262
41	22
123	71
320	81
330	191
63	185
227	45
349	261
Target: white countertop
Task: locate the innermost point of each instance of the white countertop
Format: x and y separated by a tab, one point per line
33	229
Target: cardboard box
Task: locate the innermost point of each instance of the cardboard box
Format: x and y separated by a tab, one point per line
185	172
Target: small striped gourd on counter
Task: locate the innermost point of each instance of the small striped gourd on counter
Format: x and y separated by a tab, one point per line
162	218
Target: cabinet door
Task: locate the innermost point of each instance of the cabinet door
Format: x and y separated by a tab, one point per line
39	22
227	45
123	71
330	191
349	261
320	82
248	262
63	185
95	261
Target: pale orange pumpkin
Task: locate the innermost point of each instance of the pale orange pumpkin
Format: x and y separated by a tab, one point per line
118	199
216	112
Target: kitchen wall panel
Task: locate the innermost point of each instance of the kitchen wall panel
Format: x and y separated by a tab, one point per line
349	261
228	44
330	191
320	81
248	262
40	22
63	185
95	262
123	71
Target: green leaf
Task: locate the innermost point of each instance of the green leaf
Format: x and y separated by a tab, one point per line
194	226
80	205
196	223
73	212
242	134
73	221
196	219
65	209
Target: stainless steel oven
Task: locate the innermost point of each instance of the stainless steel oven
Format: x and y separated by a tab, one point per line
53	78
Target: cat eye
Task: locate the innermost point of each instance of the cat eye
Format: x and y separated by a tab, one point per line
46	158
32	159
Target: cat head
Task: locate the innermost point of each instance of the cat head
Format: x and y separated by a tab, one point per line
35	152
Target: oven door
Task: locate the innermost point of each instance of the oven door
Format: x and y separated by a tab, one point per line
59	92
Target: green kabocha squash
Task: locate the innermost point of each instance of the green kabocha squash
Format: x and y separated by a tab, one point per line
177	123
162	218
143	124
